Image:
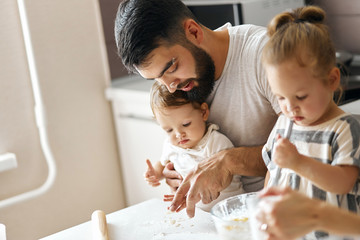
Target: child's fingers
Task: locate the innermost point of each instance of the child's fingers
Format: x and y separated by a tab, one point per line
153	181
168	198
150	166
148	174
154	184
150	171
151	178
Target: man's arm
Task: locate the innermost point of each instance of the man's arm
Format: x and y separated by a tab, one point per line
214	174
245	161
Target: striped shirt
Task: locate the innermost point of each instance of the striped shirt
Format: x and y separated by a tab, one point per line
335	142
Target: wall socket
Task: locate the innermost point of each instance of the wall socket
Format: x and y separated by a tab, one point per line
7	161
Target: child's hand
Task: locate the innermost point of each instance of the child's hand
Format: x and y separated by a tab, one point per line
285	153
151	176
168	197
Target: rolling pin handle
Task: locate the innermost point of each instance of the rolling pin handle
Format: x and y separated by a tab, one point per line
99	225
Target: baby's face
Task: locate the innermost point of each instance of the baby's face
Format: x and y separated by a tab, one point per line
184	125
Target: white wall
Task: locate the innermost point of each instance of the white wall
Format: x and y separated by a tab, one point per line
73	71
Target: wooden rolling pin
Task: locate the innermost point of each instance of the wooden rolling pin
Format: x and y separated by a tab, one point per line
99	225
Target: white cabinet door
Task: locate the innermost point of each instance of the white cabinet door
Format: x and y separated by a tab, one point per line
139	139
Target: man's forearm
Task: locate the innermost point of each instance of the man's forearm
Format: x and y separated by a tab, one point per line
246	161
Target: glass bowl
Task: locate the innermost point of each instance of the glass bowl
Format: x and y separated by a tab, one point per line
232	217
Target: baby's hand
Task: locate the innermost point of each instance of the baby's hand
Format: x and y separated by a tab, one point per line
285	153
168	197
151	176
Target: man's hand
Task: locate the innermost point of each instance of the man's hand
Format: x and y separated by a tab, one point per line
213	175
173	178
203	183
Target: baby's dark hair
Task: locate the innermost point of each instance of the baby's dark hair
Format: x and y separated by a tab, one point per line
161	98
303	35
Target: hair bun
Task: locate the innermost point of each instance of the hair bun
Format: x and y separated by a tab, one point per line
278	21
311	14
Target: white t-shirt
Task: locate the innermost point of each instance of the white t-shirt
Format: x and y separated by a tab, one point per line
242	103
185	160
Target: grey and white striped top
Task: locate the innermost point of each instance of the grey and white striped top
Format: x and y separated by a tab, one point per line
335	142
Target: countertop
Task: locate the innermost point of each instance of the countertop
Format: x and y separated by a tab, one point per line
132	83
130	96
149	220
351	81
352	107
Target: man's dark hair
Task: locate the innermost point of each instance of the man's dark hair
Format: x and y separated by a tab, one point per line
143	25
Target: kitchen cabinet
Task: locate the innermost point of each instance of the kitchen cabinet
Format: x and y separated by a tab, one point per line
139	136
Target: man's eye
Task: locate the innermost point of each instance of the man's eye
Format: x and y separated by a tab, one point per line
173	68
302	97
187	124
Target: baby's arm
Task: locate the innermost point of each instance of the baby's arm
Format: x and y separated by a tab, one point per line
153	174
338	179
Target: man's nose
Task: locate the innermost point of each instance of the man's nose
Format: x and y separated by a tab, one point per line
171	84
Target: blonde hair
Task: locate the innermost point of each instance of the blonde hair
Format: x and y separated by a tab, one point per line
301	35
161	98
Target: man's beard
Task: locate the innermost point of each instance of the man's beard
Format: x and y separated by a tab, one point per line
205	72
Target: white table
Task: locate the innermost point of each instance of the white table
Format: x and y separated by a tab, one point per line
149	220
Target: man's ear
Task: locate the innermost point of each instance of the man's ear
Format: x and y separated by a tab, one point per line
334	78
205	111
193	31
